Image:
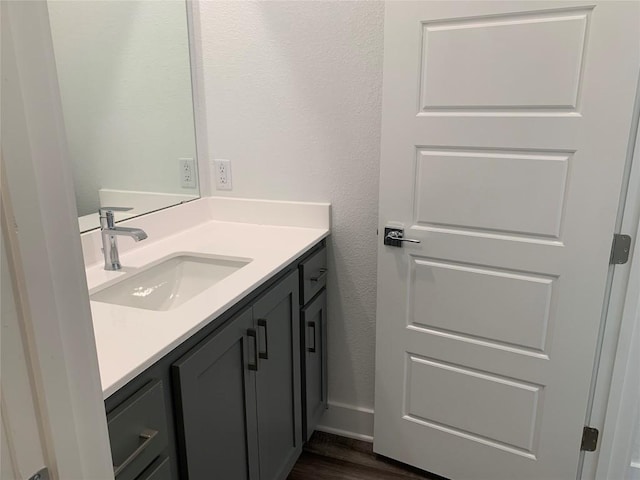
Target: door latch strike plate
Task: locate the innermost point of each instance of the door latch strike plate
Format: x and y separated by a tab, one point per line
589	439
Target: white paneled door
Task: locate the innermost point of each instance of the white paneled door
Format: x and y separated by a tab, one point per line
504	137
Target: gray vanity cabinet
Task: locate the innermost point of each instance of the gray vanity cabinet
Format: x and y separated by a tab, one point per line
227	404
216	404
238	393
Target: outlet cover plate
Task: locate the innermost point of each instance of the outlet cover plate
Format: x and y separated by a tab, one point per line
188	173
221	172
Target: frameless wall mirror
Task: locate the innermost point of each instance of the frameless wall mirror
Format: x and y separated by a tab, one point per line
125	84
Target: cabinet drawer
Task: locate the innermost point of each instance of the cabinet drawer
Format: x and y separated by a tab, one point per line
158	470
138	431
313	275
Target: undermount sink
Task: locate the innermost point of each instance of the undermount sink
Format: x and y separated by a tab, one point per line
170	283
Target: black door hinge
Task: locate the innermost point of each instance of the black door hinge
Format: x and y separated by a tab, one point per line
620	249
589	439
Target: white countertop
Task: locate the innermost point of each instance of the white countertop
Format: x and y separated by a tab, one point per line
129	340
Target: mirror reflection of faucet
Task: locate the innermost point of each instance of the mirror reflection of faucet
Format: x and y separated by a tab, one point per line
110	234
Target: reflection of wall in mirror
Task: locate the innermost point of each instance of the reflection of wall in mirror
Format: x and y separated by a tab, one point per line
125	83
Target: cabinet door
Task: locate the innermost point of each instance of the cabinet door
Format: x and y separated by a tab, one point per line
278	379
314	354
216	405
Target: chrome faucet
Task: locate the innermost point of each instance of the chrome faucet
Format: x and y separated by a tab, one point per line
110	235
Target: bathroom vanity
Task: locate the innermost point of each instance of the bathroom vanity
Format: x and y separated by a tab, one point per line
232	393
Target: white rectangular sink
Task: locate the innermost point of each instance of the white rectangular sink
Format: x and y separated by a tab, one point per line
170	283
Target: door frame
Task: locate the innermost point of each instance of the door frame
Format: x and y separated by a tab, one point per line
24	446
45	247
616	375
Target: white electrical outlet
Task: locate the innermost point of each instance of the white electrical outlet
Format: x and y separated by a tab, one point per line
188	173
222	174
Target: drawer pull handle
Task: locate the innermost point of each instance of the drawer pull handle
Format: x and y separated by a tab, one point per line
251	332
312	325
146	436
322	274
263	323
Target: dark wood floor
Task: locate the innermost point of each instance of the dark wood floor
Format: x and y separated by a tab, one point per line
330	457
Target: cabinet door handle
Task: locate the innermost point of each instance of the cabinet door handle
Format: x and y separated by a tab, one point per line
312	325
322	273
263	323
251	332
147	436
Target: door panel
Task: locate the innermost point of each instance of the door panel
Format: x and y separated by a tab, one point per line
504	135
278	379
526	190
515	60
217	399
441	395
501	306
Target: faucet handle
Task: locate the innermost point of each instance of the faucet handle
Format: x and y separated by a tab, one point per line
103	210
106	215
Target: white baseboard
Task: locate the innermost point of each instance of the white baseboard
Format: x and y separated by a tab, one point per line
348	421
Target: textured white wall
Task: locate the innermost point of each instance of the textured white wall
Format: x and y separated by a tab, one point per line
125	83
293	98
